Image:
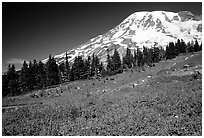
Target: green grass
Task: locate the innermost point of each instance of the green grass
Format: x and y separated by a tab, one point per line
171	107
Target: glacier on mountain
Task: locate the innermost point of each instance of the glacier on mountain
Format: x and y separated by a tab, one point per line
156	28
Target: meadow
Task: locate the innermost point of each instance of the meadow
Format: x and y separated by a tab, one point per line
165	100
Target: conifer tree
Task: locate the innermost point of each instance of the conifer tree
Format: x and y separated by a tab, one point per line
67	67
200	49
34	72
171	51
87	68
109	67
161	53
102	70
5	90
191	47
31	78
155	54
41	76
152	56
77	70
13	81
97	65
52	72
145	54
62	72
187	47
24	78
140	59
93	66
128	59
183	46
177	48
116	62
135	59
196	46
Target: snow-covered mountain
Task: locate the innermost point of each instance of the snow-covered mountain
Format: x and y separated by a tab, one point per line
156	28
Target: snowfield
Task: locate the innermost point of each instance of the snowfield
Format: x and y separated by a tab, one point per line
156	28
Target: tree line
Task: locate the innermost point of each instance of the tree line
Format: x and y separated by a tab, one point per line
38	75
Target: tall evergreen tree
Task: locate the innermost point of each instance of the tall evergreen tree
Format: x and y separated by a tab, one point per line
77	70
170	51
161	53
31	79
97	65
152	56
191	47
145	54
140	59
183	47
13	81
34	72
200	49
52	72
67	67
128	59
62	72
109	67
102	70
5	90
24	78
41	76
196	46
177	48
116	62
93	66
87	67
135	59
155	54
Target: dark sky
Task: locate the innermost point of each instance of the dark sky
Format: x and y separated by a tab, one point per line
35	30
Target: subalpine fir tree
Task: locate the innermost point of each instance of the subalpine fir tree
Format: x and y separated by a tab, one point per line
55	70
170	51
24	78
102	70
109	67
183	46
87	68
145	54
93	66
13	81
152	56
161	53
140	59
5	90
34	72
77	70
52	72
177	48
135	59
97	64
116	62
200	49
67	67
196	46
155	54
41	76
128	59
191	47
62	72
31	76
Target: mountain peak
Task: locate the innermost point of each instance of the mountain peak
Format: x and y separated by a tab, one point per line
144	28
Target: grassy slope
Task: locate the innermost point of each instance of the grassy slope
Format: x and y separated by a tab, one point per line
160	105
